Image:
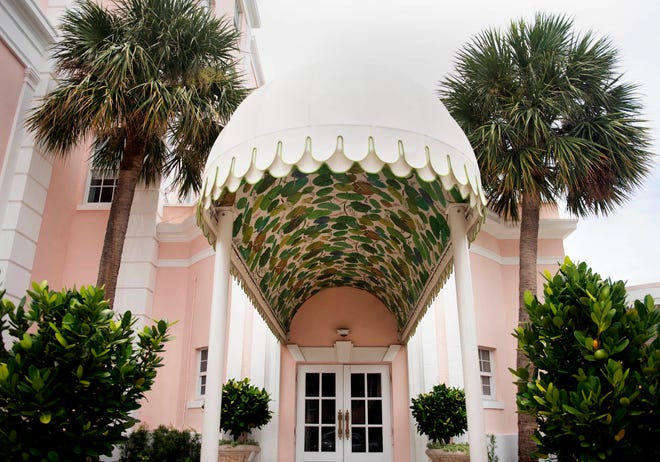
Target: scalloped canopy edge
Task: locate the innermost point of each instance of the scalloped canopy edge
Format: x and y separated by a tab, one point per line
432	159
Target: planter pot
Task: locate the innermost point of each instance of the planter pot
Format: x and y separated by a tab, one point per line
240	453
440	455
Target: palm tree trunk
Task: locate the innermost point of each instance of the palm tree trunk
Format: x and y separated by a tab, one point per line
529	232
120	212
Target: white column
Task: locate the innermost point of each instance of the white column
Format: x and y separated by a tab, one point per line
452	336
24	181
265	372
416	385
216	346
468	332
136	281
25	175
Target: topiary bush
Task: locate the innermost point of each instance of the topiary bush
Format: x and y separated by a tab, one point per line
440	414
244	407
161	444
593	387
72	374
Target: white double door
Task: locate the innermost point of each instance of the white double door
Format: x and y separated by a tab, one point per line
343	414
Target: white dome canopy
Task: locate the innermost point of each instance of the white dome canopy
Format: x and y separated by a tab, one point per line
341	174
341	113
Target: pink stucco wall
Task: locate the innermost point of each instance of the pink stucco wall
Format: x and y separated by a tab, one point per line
496	305
182	295
174	250
166	402
70	240
317	320
495	289
11	82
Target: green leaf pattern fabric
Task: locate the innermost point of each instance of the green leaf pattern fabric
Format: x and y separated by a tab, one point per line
372	231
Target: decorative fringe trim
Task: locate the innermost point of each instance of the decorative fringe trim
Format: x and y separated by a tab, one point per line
433	287
258	300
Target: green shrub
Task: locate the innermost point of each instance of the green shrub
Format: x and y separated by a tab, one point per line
593	387
490	449
440	414
244	407
162	444
136	446
72	374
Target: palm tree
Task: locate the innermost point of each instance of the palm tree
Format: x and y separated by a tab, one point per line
153	82
550	120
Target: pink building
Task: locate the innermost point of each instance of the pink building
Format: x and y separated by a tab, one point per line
333	337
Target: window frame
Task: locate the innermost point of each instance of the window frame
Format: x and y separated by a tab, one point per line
238	15
202	362
209	5
102	175
487	374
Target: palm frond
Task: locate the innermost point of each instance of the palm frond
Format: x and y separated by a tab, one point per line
545	110
164	69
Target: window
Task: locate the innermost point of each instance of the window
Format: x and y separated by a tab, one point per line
209	4
486	371
201	382
238	15
101	187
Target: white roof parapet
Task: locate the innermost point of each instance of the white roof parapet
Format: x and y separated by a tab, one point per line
27	32
549	228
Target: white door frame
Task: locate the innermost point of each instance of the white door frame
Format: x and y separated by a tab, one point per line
343	448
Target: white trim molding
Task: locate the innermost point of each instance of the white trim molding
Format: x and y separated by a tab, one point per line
195	404
184	231
511	261
94	206
255	58
343	352
490	404
25	172
187	262
639	291
27	32
549	228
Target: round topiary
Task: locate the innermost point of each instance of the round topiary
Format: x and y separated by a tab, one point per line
244	407
440	414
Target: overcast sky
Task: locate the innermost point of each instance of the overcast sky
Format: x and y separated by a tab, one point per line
420	37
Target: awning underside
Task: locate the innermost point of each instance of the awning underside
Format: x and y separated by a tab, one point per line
302	233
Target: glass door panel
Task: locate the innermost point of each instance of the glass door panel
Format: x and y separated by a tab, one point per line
320	388
366	412
343	414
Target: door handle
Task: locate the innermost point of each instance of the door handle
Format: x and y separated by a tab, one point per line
340	434
347	425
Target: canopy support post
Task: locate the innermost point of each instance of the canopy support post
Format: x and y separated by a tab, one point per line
457	219
217	336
